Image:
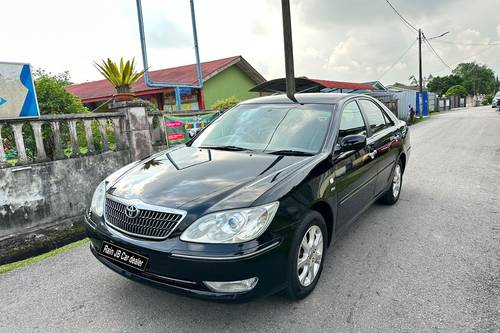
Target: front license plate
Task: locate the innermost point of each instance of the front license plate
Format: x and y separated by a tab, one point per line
123	256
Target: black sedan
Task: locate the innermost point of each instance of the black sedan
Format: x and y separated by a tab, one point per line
250	205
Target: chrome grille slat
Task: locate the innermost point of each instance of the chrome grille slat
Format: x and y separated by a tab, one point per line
148	224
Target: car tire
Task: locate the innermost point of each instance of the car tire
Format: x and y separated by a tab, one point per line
391	196
301	282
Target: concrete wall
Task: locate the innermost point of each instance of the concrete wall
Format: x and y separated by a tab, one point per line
52	192
230	82
42	205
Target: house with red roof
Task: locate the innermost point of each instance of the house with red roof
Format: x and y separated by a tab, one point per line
222	78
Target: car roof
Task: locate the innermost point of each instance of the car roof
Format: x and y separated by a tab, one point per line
303	98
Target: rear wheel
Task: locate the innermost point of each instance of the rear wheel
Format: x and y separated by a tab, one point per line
391	196
306	256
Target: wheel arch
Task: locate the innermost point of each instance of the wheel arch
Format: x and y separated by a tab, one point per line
402	157
324	209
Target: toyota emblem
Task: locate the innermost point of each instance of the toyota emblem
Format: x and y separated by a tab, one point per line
131	211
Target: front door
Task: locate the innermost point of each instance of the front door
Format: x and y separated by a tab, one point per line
383	142
354	171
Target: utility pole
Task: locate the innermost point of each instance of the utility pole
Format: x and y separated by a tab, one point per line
421	88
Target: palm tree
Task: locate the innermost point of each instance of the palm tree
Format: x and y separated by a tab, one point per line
413	80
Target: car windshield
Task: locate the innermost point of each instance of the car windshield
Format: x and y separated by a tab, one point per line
498	94
272	128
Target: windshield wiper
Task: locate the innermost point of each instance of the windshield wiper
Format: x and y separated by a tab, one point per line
291	153
230	148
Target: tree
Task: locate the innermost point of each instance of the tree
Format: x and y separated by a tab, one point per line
457	90
413	80
52	97
63	78
440	85
225	103
477	79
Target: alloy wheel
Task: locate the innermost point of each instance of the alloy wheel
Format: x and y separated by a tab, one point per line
310	255
396	181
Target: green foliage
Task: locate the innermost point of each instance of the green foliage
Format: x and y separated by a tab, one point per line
225	103
477	79
121	77
53	98
457	90
63	78
487	100
440	85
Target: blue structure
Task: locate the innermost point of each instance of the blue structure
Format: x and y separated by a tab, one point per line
18	98
175	85
424	111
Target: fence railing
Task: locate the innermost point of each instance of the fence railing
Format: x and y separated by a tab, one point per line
55	137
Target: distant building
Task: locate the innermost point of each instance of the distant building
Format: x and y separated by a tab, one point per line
377	85
402	87
222	78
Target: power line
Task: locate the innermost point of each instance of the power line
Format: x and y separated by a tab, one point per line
398	60
435	53
469	57
401	16
467	44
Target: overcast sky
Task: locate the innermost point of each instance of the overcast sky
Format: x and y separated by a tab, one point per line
354	40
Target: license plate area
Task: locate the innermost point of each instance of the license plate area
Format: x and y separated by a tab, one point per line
123	256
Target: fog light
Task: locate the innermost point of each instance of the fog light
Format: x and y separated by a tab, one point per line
232	286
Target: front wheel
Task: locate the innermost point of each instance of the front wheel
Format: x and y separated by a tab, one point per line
391	196
306	256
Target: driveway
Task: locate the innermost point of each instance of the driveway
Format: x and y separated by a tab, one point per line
431	263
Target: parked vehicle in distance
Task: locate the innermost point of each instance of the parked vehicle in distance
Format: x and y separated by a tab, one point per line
248	207
495	103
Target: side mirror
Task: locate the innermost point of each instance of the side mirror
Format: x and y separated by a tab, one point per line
352	142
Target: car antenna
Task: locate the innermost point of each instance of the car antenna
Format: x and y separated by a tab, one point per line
287	38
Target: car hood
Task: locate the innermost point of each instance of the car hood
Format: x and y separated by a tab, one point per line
204	179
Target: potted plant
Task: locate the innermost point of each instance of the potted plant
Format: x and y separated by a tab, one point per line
122	77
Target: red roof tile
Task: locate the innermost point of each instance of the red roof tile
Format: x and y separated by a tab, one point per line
102	89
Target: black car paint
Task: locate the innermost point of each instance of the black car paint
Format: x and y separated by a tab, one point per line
338	185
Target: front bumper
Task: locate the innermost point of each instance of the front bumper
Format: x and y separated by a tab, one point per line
183	272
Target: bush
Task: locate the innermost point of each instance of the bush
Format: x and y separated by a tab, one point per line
488	99
225	103
456	90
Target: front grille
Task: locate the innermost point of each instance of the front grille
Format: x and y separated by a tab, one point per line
148	223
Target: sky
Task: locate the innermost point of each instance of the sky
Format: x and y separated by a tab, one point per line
355	40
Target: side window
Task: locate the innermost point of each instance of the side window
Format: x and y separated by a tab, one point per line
376	117
351	121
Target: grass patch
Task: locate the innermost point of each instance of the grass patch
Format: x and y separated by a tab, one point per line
26	262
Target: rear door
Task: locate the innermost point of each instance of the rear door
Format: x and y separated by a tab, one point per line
354	171
382	140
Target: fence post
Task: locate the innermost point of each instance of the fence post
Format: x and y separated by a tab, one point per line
138	130
22	158
3	159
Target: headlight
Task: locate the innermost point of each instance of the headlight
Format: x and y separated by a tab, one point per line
97	205
231	226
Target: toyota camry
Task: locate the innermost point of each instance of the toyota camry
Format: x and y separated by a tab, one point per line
249	206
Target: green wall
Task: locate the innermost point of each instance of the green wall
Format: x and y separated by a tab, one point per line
230	82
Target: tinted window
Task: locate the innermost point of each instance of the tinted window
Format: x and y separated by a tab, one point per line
376	118
351	121
268	127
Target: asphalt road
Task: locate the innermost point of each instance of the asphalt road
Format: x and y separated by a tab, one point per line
429	264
